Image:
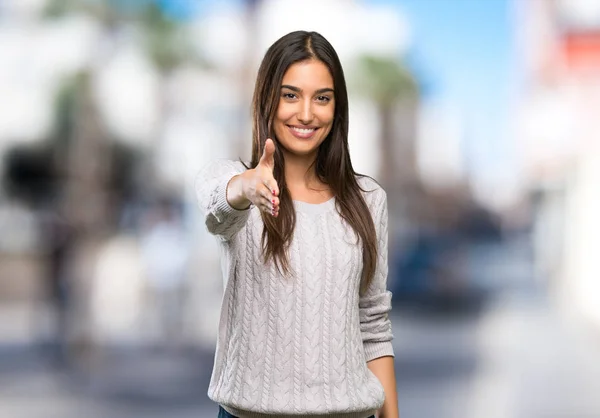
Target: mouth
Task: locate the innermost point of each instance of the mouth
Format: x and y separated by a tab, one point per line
302	133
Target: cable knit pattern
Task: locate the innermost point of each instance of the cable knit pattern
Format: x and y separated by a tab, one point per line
296	346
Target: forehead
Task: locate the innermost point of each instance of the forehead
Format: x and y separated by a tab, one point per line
308	74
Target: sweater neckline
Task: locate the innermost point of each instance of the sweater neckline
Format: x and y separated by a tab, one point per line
314	208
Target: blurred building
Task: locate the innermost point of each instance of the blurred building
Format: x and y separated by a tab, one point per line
559	133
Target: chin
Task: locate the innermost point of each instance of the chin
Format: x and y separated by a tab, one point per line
293	147
302	152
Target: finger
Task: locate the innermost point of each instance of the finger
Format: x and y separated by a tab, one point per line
267	206
266	193
267	158
271	184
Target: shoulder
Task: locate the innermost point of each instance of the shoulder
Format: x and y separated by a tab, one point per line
372	192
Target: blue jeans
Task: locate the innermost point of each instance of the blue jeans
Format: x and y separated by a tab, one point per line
224	414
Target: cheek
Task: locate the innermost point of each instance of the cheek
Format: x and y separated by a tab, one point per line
326	117
284	112
279	121
326	113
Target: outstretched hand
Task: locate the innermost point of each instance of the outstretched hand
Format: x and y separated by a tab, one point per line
260	186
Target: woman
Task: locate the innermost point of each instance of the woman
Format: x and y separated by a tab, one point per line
304	328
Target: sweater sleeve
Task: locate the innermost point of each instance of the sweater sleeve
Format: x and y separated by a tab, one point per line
221	219
376	302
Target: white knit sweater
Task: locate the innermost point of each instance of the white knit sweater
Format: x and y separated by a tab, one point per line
297	346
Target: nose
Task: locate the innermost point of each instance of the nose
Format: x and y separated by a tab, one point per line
305	113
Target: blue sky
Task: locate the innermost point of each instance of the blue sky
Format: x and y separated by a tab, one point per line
465	50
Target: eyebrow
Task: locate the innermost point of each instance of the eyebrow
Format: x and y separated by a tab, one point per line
299	90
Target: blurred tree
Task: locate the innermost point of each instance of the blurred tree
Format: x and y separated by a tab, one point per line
394	91
82	149
56	9
168	47
67	165
164	40
91	172
75	192
392	88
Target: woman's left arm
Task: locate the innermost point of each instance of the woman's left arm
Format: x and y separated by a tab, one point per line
374	306
383	368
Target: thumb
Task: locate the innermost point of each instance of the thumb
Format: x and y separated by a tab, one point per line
268	153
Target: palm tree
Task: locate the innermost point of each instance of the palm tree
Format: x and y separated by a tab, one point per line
393	90
163	39
163	42
166	45
84	151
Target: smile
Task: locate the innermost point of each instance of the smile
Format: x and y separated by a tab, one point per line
303	133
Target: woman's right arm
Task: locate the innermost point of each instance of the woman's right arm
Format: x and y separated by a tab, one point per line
222	219
226	190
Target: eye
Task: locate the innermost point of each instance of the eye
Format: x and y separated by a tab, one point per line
323	99
289	96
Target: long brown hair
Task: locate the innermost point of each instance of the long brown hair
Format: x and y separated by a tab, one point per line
333	166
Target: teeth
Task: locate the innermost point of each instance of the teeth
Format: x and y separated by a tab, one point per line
303	131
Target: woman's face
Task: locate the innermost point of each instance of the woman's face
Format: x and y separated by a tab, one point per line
306	107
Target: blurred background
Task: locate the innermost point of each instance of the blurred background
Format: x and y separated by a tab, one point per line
479	117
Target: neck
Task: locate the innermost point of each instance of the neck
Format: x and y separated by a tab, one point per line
299	172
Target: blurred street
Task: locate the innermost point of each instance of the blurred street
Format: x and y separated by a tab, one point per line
517	357
517	360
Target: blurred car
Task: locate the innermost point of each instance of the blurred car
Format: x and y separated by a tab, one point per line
444	270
